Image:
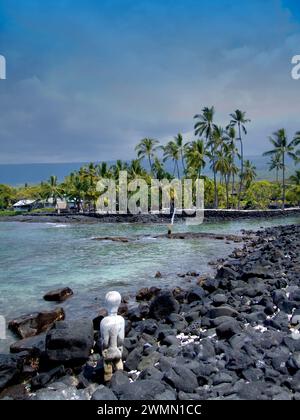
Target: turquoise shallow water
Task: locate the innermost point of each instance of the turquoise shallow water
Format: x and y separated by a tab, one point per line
35	258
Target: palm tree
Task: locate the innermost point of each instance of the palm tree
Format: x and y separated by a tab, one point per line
276	163
284	148
205	126
158	169
75	186
295	179
118	167
238	118
146	149
181	147
135	169
215	143
171	151
195	155
54	189
249	173
296	142
231	139
103	171
222	165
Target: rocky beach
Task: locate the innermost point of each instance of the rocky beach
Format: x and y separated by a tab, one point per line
94	218
234	335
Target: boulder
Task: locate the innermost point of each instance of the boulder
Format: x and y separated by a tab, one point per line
257	270
219	299
134	358
33	345
144	309
295	295
211	284
96	321
149	326
179	294
222	311
228	328
14	392
147	293
44	378
163	305
181	378
58	295
226	273
35	323
145	389
149	361
10	369
118	382
151	373
167	395
123	309
221	378
134	314
70	341
184	396
103	393
57	393
195	294
170	340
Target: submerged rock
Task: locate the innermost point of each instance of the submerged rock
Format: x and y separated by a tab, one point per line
58	295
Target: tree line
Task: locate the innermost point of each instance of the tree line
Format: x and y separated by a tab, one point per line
221	148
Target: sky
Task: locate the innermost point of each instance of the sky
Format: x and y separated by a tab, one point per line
87	79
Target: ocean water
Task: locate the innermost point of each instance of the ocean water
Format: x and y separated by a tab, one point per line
34	173
35	258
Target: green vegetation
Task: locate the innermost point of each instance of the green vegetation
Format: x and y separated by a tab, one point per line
233	185
9	213
282	149
43	210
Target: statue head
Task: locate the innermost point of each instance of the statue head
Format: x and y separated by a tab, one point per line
112	302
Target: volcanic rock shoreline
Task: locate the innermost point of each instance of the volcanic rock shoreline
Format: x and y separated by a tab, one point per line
232	336
213	215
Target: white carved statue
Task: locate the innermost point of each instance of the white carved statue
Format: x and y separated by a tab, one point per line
112	329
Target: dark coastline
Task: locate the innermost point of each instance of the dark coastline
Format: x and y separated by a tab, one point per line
90	218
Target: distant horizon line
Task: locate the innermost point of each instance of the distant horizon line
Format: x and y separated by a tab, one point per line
87	161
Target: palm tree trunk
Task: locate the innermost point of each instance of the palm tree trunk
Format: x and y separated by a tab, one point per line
242	168
150	164
177	169
182	162
227	190
215	178
174	170
216	190
283	180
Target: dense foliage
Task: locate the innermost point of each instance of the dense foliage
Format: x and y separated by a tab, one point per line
233	184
